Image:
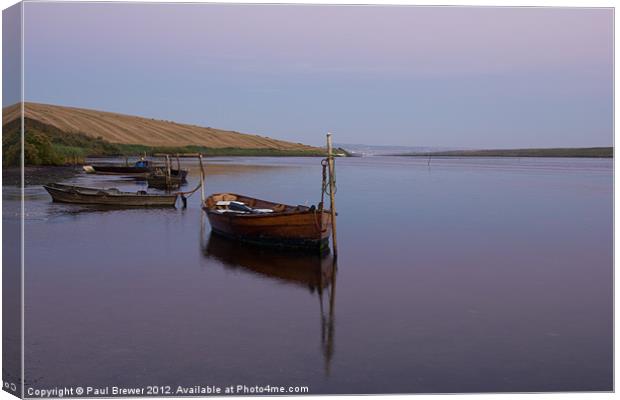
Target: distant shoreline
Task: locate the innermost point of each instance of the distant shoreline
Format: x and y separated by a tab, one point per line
576	152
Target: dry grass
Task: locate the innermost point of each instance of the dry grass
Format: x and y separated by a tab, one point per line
127	129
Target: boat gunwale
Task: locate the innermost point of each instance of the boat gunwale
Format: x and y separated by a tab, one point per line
307	210
265	215
78	190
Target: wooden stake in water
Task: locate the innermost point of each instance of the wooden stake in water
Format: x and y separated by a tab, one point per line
202	180
168	173
332	189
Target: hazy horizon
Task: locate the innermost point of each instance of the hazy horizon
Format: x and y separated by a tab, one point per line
380	75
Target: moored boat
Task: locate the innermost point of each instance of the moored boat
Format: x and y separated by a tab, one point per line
264	222
112	197
259	221
160	179
139	168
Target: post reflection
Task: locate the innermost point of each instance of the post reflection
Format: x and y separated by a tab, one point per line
315	272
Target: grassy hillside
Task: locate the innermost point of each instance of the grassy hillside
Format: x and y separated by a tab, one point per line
132	130
47	145
598	152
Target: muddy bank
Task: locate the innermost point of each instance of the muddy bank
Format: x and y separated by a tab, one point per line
38	175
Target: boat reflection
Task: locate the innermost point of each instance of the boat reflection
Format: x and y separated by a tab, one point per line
313	271
75	210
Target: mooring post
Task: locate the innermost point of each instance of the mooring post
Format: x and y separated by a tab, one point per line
202	180
168	173
332	188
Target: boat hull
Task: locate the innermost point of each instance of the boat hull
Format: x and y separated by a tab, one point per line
116	170
160	181
164	184
298	227
179	173
102	197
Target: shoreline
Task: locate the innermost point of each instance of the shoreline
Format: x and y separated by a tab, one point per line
38	174
577	152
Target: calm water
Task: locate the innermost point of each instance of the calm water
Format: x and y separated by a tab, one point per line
468	275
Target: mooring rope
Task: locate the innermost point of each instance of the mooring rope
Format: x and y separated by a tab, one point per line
323	183
185	195
326	188
191	192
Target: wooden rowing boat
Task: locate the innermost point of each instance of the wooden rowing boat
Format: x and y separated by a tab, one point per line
159	178
264	222
112	197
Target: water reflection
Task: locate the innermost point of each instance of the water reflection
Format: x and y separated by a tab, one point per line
315	272
71	210
180	307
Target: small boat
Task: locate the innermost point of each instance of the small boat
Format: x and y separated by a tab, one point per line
112	197
139	168
159	178
263	222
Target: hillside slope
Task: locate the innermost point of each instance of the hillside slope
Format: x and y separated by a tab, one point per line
127	129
